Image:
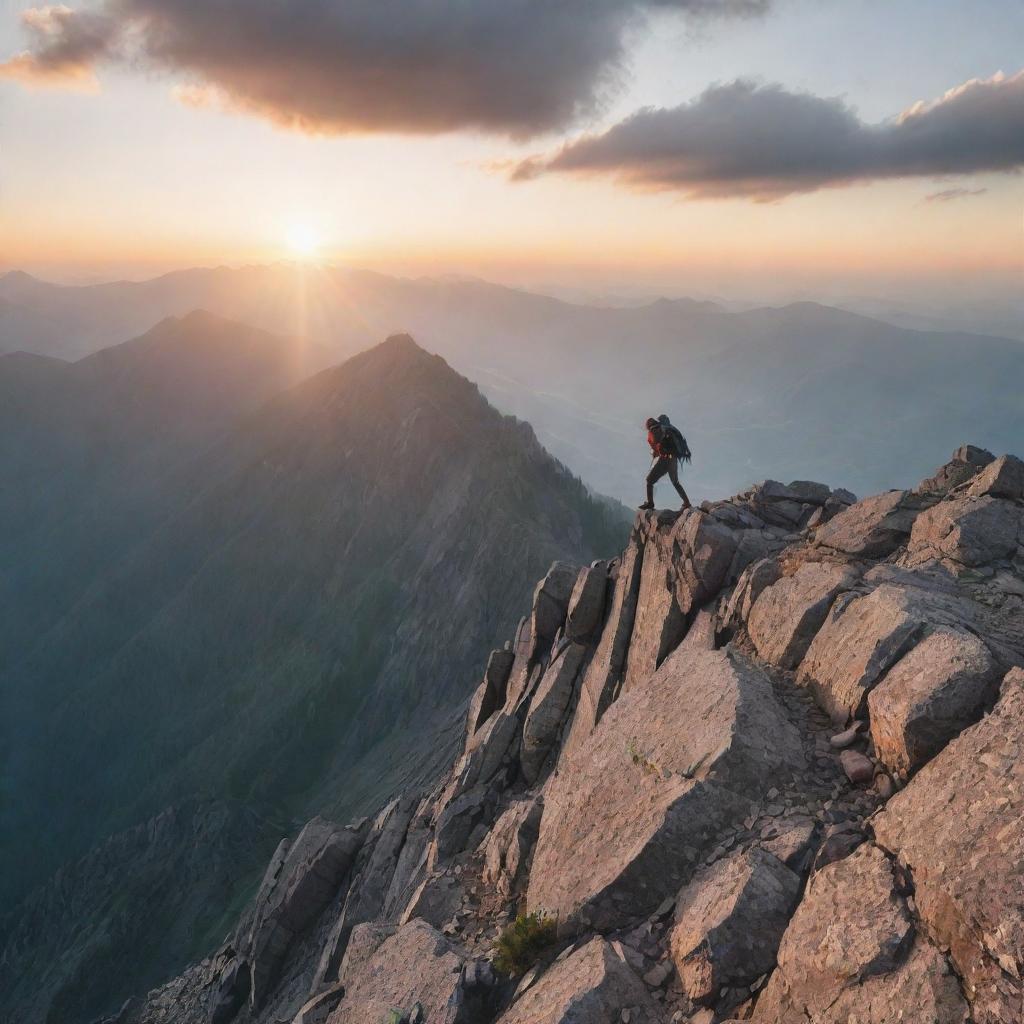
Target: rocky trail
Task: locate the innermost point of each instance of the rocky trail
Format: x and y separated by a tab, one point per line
766	765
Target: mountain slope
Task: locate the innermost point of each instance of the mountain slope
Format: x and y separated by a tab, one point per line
91	452
328	578
804	389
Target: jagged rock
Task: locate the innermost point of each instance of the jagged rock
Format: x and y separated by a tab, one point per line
754	579
586	603
660	622
629	815
487	749
874	527
838	842
307	874
787	615
706	549
416	964
436	900
551	603
966	462
701	634
456	821
793	845
810	492
547	709
509	844
604	673
844	956
729	922
365	940
592	986
858	768
860	639
931	695
957	829
967	530
1003	478
490	694
372	874
232	991
317	1009
412	859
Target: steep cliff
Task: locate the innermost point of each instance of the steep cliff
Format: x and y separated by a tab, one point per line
764	765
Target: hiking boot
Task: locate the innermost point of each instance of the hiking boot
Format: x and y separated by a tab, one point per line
646	506
685	506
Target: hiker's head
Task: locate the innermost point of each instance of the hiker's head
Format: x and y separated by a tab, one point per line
651	423
664	420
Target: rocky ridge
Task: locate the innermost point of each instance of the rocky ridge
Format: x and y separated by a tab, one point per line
766	765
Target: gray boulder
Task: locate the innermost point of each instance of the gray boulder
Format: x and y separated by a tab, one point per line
372	875
957	829
586	603
303	878
730	920
490	694
1003	478
632	812
809	492
754	579
551	603
416	964
967	531
706	548
660	622
844	956
509	844
604	672
787	615
547	710
874	527
967	462
861	638
592	986
930	696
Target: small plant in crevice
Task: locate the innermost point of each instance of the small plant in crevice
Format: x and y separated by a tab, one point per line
524	941
637	756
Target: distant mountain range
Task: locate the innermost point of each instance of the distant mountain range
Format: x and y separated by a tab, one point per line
220	586
773	391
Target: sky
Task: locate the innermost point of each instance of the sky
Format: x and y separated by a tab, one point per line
718	147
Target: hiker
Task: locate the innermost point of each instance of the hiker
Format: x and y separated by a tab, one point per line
668	446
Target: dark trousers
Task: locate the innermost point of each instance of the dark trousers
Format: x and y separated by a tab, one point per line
662	465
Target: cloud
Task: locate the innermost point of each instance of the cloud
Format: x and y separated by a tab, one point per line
64	47
512	67
764	142
949	194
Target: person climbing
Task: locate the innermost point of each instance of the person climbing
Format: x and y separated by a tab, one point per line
668	446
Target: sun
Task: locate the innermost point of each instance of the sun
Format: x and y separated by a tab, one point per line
302	240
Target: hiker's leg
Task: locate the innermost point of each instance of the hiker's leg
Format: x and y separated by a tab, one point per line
658	469
673	475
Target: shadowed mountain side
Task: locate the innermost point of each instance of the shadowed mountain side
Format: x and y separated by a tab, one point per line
129	910
330	575
92	453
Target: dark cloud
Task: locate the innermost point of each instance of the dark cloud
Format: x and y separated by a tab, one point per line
516	67
949	194
763	142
